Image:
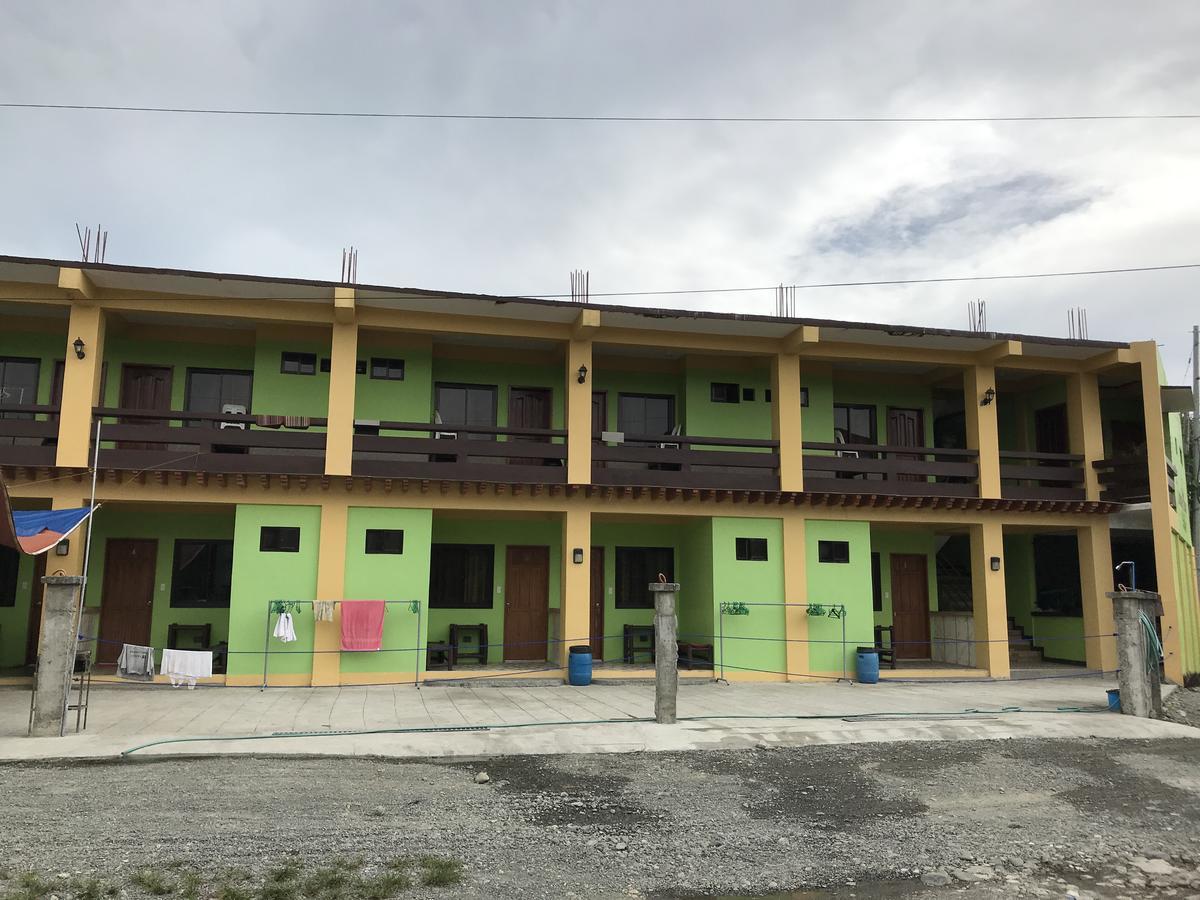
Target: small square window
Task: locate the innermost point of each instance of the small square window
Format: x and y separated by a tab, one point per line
752	549
360	365
385	540
748	394
833	551
291	363
767	395
326	364
387	368
724	392
279	539
803	396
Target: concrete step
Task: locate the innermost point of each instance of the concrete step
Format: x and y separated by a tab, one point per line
1025	657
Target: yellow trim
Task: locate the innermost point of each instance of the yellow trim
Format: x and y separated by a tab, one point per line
982	431
990	603
1096	578
785	419
579	412
339	449
81	385
796	341
331	582
795	590
1001	352
1086	426
575	617
343	305
586	324
77	284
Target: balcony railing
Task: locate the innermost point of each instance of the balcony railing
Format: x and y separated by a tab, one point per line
211	442
1126	479
1041	476
837	468
687	462
28	434
462	452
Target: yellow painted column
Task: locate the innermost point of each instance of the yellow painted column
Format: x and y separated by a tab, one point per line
1161	514
331	582
575	605
982	431
990	601
81	385
786	425
795	590
579	412
339	447
1096	578
1085	426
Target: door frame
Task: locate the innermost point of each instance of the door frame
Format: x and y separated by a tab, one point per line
548	394
513	641
596	609
37	597
905	649
108	570
920	428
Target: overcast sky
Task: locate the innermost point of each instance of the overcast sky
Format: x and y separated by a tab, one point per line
513	207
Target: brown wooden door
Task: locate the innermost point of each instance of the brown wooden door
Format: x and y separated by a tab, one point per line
906	428
1050	430
127	597
529	408
33	635
910	605
148	388
526	603
596	620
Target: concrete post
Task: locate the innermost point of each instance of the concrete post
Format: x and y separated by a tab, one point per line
56	654
1138	678
666	652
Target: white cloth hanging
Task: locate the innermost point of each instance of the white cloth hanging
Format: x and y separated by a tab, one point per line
185	666
284	630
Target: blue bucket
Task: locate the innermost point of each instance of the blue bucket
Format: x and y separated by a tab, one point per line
866	665
1114	700
579	666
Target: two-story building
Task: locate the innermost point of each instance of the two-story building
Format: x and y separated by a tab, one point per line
530	465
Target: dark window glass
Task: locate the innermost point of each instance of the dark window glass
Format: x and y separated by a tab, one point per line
748	394
645	413
876	584
360	365
1056	574
466	404
279	539
767	396
636	568
753	549
854	424
18	384
833	551
10	562
385	540
803	396
461	576
291	363
387	368
210	390
201	573
723	392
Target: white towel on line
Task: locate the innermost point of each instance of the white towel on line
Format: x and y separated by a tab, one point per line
284	629
185	666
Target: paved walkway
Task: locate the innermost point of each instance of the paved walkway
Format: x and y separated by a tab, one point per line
516	720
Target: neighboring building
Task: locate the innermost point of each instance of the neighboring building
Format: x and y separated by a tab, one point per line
531	465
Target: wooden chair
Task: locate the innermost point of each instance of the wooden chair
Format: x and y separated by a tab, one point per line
638	639
198	637
887	654
438	655
479	654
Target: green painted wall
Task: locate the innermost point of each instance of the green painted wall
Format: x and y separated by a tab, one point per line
504	375
750	419
816	419
260	577
178	355
619	381
745	581
42	345
410	400
882	394
694	572
292	395
500	533
165	525
14	620
886	542
381	576
849	584
1061	637
611	535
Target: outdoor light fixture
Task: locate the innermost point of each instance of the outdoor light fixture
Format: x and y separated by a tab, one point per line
582	374
995	564
577	555
62	548
988	396
78	345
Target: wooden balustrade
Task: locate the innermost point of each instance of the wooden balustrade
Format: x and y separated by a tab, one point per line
28	434
1026	475
837	468
1126	479
687	462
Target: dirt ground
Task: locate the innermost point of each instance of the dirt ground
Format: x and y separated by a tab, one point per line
1002	818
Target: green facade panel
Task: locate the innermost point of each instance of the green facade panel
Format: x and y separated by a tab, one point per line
845	583
751	645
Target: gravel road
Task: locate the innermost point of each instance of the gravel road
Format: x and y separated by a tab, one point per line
1020	818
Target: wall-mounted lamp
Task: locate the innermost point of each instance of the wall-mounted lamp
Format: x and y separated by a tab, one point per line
995	562
582	374
988	396
62	548
78	345
577	555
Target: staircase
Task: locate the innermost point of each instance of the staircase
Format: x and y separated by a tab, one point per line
1021	652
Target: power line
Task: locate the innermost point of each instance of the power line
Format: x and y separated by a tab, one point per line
496	117
898	281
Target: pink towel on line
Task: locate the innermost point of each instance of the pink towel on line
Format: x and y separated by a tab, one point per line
362	624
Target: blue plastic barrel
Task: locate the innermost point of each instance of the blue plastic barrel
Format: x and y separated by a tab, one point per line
579	666
1114	700
866	665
